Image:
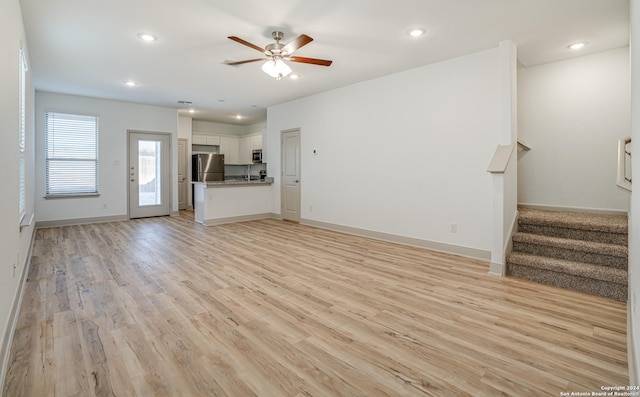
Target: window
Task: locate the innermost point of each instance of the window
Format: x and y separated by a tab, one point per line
72	154
22	132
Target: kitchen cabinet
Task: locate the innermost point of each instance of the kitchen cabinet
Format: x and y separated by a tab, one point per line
244	150
229	146
217	203
202	139
247	145
257	142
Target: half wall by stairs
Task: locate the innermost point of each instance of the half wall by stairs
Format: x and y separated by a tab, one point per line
581	251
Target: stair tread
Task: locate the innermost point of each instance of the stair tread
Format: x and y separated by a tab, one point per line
574	220
587	270
572	244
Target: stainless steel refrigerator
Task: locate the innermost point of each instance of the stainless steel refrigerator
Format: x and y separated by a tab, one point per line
207	167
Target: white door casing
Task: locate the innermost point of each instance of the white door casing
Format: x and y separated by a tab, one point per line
149	174
183	166
290	191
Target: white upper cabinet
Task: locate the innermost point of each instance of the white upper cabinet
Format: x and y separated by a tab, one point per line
236	150
247	145
202	139
229	146
244	150
256	142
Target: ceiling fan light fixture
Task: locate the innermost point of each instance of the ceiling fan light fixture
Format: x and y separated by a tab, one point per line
276	68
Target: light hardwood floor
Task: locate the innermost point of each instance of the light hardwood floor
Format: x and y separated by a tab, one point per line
167	307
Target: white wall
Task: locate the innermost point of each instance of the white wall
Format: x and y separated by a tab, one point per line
255	128
218	128
634	216
116	118
227	129
572	114
185	127
405	154
14	245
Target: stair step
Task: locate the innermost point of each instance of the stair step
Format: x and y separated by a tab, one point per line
569	281
605	254
574	220
586	270
575	250
611	229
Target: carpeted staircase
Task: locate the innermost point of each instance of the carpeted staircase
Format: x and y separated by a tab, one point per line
585	252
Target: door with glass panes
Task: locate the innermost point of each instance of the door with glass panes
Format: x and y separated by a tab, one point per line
149	174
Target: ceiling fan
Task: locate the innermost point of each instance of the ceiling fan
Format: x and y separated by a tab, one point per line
276	53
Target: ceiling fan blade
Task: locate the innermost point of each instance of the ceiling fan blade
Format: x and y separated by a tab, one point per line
245	61
314	61
300	41
244	42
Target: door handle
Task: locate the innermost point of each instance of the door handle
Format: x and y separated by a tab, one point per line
132	180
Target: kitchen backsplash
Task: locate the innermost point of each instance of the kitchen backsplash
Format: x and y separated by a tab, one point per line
242	170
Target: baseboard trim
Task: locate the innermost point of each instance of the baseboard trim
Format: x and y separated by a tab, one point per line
634	377
500	269
234	219
572	209
81	221
7	339
497	269
410	241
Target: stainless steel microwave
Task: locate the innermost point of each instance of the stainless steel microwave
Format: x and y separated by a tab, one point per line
257	156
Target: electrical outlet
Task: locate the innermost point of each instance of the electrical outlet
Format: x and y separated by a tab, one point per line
453	228
104	206
310	208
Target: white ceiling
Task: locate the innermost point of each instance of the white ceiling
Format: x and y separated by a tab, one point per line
90	47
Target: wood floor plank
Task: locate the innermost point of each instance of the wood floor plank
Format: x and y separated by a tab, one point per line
167	307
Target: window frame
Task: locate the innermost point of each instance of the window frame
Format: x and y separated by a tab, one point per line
71	193
22	132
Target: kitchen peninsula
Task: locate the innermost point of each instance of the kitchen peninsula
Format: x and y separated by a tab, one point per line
232	200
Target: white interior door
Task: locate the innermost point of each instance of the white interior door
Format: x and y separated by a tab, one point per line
182	174
149	175
290	194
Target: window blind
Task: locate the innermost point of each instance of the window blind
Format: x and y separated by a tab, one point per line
72	154
21	139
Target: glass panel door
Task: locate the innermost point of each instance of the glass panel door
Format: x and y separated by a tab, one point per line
149	175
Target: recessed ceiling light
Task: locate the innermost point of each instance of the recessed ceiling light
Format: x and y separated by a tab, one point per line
416	32
294	76
147	37
238	117
192	111
577	46
130	83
